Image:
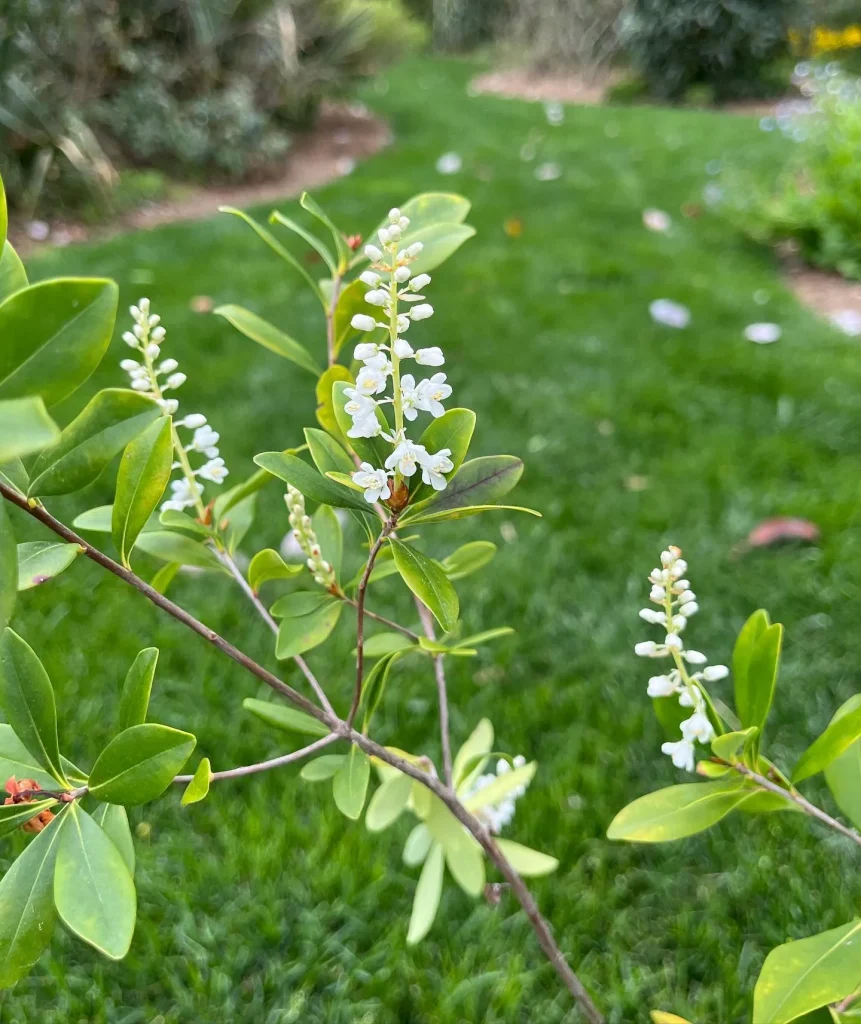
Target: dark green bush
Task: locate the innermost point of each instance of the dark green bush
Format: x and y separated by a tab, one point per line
727	45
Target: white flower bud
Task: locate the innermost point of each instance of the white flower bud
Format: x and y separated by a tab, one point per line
169	405
193	421
158	334
403	223
362	322
402	349
134	313
373	253
420	281
394	215
168	366
377	297
140	384
686	596
402	274
394	233
695	657
422	311
130	339
176	380
370	278
714	673
667	558
154	320
645	649
129	364
414	250
691	608
144	305
152	351
383	235
657	593
681	585
661	686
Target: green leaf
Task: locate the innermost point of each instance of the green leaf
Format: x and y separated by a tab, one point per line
134	699
453	430
428	581
137	766
501	786
479	482
327	453
93	890
754	696
164	577
803	975
27	915
480	742
428	892
143	476
389	801
13	276
98	520
307	480
276	247
369	449
677	811
329	536
269	336
176	520
731	745
110	421
325	408
198	788
269	565
286	718
484	637
16	760
235	495
525	861
8	566
300	603
350	785
308	203
27	700
350	302
25	427
174	547
53	335
742	653
236	523
317	244
13	473
440	241
114	821
322	768
426	518
4	212
429	208
374	684
42	560
13	815
659	1017
468	559
843	775
303	633
417	846
837	738
386	643
462	853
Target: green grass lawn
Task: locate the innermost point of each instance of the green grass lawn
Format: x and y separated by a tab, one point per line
263	905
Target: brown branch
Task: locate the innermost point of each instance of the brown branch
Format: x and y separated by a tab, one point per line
342	730
442	694
263	766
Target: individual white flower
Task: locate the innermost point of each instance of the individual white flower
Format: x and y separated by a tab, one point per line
435	466
214	470
422	311
363	322
431	393
430	356
406	457
657	594
369	278
698	727
376	297
193	421
366	350
365	426
682	753
661	686
420	281
409	396
168	366
402	274
646	649
403	323
694	657
413	250
373	253
372	380
402	348
205	439
673	642
359	405
374	481
714	673
175	380
168	405
183	494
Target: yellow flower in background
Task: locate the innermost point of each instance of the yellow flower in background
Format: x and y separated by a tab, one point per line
827	40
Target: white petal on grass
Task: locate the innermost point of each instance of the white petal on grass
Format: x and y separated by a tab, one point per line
762	334
449	163
657	220
848	321
669	313
548	172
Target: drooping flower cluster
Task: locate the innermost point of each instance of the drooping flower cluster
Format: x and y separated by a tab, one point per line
677	603
303	531
497	816
146	338
391	283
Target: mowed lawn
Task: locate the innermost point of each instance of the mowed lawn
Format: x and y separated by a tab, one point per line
263	905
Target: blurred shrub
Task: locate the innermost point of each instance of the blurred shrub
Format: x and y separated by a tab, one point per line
816	200
190	87
726	45
583	33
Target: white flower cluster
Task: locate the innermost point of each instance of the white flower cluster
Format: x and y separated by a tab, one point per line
306	538
677	603
146	338
497	816
390	282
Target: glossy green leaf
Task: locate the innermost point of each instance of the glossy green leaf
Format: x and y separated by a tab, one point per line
732	745
8	566
350	302
173	519
479	482
25	427
525	861
4	212
137	766
198	788
93	890
300	603
386	643
164	576
480	742
303	633
468	559
307	202
754	696
325	409
374	684
417	846
742	653
226	501
98	520
53	335
13	276
803	975
27	700
42	560
322	768
350	784
327	453
137	687
114	822
110	421
281	716
12	816
143	476
431	516
27	914
501	786
677	811
428	581
476	639
430	208
369	449
16	760
174	547
837	738
306	479
330	537
269	336
440	241
452	430
317	244
427	897
388	802
269	565
14	474
235	524
843	775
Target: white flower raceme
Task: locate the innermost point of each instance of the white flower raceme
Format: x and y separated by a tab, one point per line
146	338
497	816
677	603
303	531
390	283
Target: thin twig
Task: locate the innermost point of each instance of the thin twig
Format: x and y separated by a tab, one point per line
844	1004
386	622
340	729
273	762
442	693
388	526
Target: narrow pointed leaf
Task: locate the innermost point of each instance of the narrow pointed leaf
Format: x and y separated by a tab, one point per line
134	699
137	766
501	786
269	336
440	241
282	717
25	427
479	482
328	455
754	696
350	785
527	862
114	821
16	760
426	518
428	581
307	202
330	537
143	476
677	811
306	479
837	738
12	816
13	276
742	653
42	560
843	775
276	217
427	897
93	890
174	547
480	742
386	643
198	788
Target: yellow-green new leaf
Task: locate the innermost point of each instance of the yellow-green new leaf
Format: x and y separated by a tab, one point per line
427	897
417	846
137	766
282	717
198	788
322	768
468	559
525	861
843	775
479	743
388	802
428	581
93	890
269	565
677	811
269	336
661	1017
42	560
13	276
350	784
137	687
501	786
25	427
175	547
302	633
837	738
143	476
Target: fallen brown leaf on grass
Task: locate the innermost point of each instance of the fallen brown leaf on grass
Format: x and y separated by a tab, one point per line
779	530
